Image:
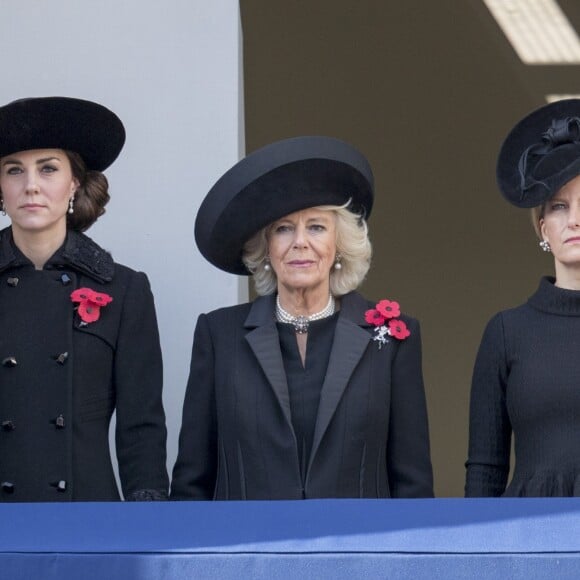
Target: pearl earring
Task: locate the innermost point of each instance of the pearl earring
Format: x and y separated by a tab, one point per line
545	245
70	205
267	266
337	264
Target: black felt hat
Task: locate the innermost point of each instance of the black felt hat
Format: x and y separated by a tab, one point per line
279	179
540	154
84	127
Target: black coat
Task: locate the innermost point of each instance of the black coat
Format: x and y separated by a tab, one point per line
237	441
60	380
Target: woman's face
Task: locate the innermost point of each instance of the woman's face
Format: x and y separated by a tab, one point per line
302	249
560	225
36	188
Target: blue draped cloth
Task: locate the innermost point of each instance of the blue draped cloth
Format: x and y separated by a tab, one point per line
316	539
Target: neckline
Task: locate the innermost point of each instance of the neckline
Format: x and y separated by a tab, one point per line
78	251
314	324
302	322
549	298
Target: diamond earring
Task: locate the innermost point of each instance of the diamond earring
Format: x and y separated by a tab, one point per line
545	245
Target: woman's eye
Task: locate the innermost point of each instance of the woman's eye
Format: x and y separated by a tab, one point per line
283	228
14	170
48	169
557	205
317	228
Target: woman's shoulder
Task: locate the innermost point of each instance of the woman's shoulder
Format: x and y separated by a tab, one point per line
86	255
508	325
127	274
229	312
510	315
540	299
249	315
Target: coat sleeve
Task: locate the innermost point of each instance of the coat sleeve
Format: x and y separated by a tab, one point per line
195	471
489	424
408	453
140	432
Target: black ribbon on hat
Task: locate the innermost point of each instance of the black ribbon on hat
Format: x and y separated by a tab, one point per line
562	132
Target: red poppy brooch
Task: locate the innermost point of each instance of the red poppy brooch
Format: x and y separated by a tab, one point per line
384	318
89	304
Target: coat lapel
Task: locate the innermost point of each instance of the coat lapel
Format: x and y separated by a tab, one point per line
351	339
265	344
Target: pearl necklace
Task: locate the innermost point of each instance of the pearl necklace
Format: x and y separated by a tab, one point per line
301	323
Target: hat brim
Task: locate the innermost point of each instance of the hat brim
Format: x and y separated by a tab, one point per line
551	172
84	127
277	180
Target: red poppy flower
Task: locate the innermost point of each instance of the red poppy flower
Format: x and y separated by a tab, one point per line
398	329
89	312
101	298
374	317
82	294
389	309
90	303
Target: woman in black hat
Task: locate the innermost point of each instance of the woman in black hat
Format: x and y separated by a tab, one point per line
79	334
309	391
526	377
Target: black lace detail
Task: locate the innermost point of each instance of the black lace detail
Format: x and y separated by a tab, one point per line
78	251
88	257
147	495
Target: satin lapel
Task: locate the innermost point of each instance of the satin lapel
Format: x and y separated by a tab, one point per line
350	343
265	344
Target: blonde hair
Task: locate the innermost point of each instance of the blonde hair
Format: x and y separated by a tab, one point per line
352	243
536	214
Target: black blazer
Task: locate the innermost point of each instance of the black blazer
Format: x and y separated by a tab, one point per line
60	380
237	441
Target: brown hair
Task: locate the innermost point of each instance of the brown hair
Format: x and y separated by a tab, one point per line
91	196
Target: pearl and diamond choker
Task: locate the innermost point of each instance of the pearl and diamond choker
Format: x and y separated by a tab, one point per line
301	323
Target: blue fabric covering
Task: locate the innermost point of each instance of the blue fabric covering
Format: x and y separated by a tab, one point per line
446	538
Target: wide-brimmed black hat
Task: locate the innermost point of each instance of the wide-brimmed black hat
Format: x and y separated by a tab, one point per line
84	127
540	154
279	179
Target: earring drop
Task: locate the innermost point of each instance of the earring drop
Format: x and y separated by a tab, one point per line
267	266
337	264
70	205
545	245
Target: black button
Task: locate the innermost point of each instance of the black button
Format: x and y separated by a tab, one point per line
8	425
59	422
7	487
12	281
9	361
61	358
65	279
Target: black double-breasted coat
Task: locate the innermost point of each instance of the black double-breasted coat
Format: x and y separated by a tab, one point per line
237	440
61	380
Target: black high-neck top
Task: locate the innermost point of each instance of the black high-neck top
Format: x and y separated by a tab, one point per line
526	381
553	300
305	381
